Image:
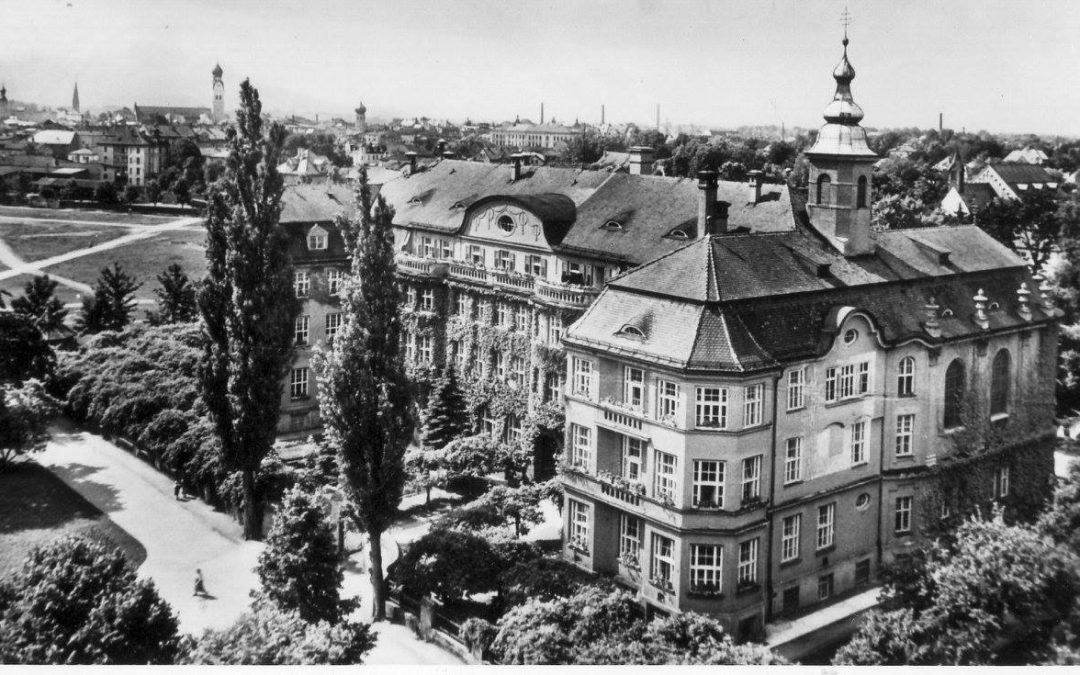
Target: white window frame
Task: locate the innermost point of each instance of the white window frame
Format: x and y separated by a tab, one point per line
751	479
425	348
521	318
634	387
554	386
665	475
461	304
517	371
709	473
334	281
667	400
583	377
905	435
630	535
410	297
826	586
581	447
302	329
500	364
753	404
796	389
706	567
555	330
826	525
579	524
905	376
748	561
446	249
857	442
789	537
316	241
334	321
427	300
476	254
662	563
504	316
536	265
847	381
1001	482
301	283
793	460
298	384
902	514
504	260
710	411
632	458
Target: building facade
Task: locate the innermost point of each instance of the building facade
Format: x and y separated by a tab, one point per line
524	135
757	422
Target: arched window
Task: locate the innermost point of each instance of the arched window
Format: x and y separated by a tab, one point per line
999	383
860	194
954	394
823	183
905	377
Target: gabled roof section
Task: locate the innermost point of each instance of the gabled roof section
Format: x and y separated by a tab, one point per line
556	211
316	202
1021	172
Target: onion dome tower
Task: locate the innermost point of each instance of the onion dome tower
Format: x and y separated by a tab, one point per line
361	118
218	111
841	164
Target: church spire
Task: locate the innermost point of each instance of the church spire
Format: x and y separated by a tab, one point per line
75	98
843	109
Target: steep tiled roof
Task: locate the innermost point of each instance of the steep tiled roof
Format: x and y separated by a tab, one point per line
316	202
54	137
1022	173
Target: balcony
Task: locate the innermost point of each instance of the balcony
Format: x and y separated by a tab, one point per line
566	295
510	280
412	264
468	272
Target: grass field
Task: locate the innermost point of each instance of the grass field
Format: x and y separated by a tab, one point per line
14	285
37	240
82	215
36	508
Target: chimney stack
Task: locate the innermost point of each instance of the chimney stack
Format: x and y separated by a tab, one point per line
940	122
706	223
412	161
601	113
641	160
541	112
517	166
756	179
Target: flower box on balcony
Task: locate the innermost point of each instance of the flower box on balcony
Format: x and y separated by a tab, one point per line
662	584
630	561
711	591
579	546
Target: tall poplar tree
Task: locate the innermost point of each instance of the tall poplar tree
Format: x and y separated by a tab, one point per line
364	396
247	299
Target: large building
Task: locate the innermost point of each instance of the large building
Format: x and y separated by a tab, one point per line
528	135
757	421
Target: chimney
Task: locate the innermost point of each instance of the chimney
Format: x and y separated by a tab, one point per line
541	112
412	161
940	122
601	113
516	176
707	204
641	160
755	181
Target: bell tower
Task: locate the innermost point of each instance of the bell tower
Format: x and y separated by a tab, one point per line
841	164
218	111
361	118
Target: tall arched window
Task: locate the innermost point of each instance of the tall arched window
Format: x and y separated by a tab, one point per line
999	382
905	377
954	393
823	183
860	193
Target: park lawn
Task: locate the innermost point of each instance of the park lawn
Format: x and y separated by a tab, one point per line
34	240
66	294
37	508
143	259
84	215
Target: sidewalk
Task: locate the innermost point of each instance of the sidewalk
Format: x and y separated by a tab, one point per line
785	632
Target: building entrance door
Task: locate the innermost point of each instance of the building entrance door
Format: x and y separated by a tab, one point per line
791	601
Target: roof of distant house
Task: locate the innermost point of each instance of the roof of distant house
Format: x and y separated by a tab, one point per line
54	137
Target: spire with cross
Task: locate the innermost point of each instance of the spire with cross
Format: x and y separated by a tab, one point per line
845	21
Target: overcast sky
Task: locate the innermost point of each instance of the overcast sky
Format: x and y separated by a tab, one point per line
1006	66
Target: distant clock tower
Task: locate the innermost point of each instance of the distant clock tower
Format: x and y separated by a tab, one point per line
219	95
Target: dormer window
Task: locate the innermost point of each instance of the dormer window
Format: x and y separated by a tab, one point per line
316	239
613	225
850	336
632	331
677	234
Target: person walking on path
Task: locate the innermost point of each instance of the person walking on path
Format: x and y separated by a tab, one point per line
178	489
200	588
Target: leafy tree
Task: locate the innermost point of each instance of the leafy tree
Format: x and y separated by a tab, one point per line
502	506
1061	520
447	416
153	191
40	304
78	602
177	301
1030	226
182	191
269	636
24	417
299	568
106	193
23	350
995	584
448	564
543	579
247	300
113	301
131	194
364	395
70	190
321	144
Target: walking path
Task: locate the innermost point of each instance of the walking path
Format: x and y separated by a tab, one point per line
182	536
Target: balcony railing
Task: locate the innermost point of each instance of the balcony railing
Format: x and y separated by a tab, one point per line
569	295
623	494
511	280
416	264
466	271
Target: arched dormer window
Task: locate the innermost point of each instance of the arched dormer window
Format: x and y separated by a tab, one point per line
823	184
1000	376
860	193
954	394
316	239
633	331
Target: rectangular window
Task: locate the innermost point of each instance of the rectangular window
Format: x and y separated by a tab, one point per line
476	254
583	371
424	348
796	382
857	442
536	266
862	572
792	460
825	586
663	559
711	410
513	429
708	484
554	387
748	551
789	537
579	525
316	241
667	401
427	247
581	452
503	315
500	364
706	567
751	479
1001	483
488	424
634	387
517	371
555	330
847	381
446	249
633	455
521	318
410	298
629	536
333	324
826	525
462	305
301	283
905	425
752	405
905	377
410	346
903	514
664	483
298	384
302	329
334	281
504	260
427	300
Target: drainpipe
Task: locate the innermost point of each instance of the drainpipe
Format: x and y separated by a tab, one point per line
767	587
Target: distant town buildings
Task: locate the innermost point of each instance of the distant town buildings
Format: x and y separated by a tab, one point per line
525	134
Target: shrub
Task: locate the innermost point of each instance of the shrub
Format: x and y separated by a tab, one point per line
448	564
477	633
